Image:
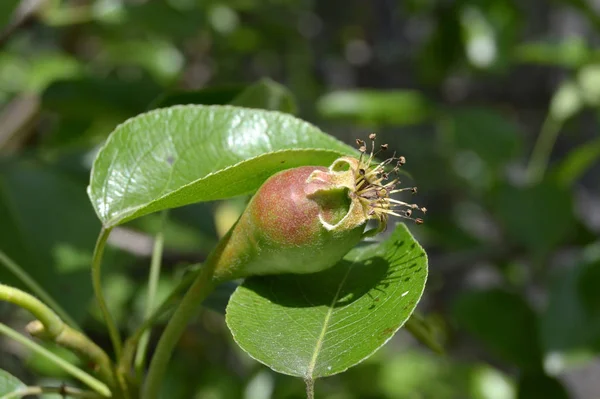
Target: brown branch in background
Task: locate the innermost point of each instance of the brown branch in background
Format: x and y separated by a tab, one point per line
25	13
17	119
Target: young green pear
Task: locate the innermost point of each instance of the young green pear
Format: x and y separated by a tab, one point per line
305	219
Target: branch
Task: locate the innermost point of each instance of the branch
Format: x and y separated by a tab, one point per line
49	326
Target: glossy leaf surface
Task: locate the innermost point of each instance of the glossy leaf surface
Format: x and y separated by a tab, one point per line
185	154
321	324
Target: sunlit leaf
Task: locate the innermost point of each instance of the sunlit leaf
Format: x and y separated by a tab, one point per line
567	101
572	52
45	69
321	324
185	154
490	383
413	371
588	79
480	39
398	107
432	376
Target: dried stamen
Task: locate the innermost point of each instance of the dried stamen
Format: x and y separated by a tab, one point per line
373	188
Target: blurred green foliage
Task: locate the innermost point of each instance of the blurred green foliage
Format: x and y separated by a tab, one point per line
493	103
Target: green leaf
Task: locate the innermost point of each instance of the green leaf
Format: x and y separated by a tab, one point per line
160	58
538	217
588	79
47	68
487	382
489	134
39	364
588	289
443	49
177	156
571	321
218	299
321	324
264	94
426	332
7	9
398	107
504	322
209	96
540	386
433	377
267	94
94	97
33	74
567	101
411	373
188	229
9	383
570	53
477	28
161	19
49	229
577	162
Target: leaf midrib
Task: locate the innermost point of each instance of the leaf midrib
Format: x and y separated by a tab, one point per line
130	213
321	339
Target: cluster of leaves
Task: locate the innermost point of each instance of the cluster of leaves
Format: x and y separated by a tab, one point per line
511	236
186	154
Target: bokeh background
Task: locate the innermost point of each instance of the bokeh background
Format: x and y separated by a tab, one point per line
494	103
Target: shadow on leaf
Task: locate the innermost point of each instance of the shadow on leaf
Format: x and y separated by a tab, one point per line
369	274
